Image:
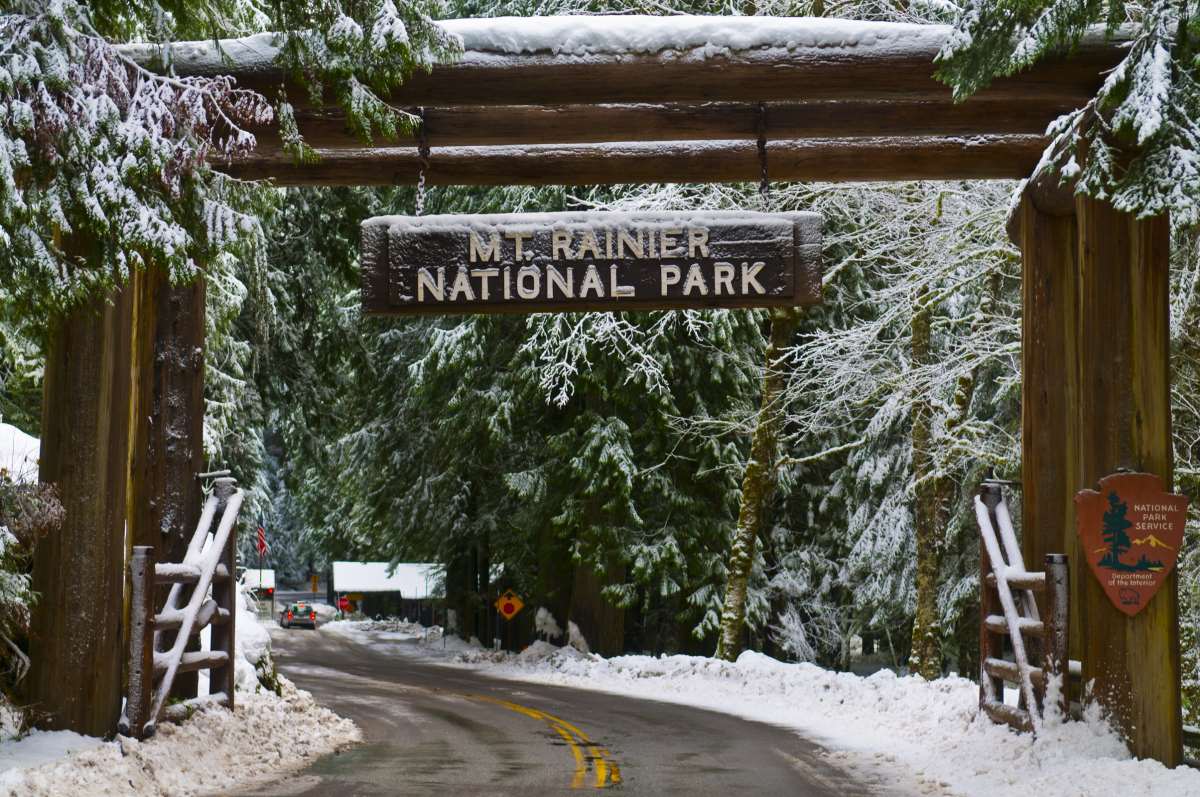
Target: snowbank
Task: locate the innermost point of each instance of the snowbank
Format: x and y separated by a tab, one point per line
19	453
923	734
211	751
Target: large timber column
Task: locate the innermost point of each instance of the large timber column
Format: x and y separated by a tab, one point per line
1125	422
1096	399
76	626
166	445
1048	237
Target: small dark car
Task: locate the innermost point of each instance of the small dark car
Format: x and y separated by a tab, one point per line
298	614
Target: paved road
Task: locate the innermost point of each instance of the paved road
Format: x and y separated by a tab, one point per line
431	729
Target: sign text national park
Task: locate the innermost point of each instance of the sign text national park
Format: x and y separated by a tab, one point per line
589	261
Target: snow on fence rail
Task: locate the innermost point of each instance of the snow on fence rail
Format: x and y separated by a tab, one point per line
1008	607
152	665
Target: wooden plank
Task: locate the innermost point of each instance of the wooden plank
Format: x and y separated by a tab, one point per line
475	126
1032	581
1050	388
1124	408
998	625
79	572
194	660
190	576
567	262
1009	671
834	160
1002	713
223	677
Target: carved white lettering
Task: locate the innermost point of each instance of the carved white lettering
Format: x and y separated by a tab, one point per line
749	274
614	290
560	245
518	238
697	242
723	274
425	282
669	247
670	276
524	289
633	240
588	244
484	252
484	275
462	285
592	281
695	280
565	285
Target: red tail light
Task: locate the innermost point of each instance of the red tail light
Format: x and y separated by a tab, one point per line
289	615
312	615
270	590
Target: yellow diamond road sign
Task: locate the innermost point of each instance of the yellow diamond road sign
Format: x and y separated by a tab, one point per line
509	604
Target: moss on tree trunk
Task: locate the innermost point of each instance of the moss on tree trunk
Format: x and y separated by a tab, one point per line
757	484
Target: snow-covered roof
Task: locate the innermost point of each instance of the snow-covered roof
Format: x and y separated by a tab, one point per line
412	580
251	578
19	453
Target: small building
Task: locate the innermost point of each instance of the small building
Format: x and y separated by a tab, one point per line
406	589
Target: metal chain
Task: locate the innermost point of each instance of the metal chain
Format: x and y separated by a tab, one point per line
423	154
764	188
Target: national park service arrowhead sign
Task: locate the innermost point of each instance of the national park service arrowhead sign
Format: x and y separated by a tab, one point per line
568	262
1130	532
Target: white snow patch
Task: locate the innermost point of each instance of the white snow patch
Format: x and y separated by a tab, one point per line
19	454
212	751
575	638
545	624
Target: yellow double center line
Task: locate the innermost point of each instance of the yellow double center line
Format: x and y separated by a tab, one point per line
606	769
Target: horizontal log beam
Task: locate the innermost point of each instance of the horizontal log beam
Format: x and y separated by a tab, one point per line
745	59
833	160
481	126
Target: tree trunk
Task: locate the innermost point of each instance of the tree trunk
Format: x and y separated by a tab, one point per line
757	484
76	625
601	623
928	513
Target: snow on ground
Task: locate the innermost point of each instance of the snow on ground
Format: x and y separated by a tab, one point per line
211	751
924	734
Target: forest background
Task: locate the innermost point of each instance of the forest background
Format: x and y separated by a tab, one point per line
595	462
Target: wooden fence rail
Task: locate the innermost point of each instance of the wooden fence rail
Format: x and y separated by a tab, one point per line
1009	608
153	662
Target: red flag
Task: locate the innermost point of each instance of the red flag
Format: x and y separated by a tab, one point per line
262	542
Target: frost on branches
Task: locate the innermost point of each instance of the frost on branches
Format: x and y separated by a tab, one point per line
1137	142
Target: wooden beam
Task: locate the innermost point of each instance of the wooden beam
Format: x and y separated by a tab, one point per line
1050	394
76	627
834	160
1124	409
887	62
481	126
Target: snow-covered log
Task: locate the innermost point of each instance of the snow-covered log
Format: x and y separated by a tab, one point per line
617	59
834	160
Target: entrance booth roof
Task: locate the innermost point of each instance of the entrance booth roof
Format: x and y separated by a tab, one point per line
622	99
411	579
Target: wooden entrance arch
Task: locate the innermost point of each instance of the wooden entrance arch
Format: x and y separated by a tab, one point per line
590	100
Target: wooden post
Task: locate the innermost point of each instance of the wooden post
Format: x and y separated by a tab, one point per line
166	445
79	573
1048	237
224	591
1125	422
140	690
1055	661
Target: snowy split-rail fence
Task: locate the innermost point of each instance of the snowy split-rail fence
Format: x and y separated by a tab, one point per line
154	662
1008	607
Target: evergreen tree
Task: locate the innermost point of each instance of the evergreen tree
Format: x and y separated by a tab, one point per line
1115	532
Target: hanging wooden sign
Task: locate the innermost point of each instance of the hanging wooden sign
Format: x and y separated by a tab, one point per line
1130	532
567	262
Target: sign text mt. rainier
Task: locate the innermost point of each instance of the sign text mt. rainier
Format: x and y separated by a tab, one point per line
568	262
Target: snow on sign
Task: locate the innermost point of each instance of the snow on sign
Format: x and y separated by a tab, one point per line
589	261
1130	532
